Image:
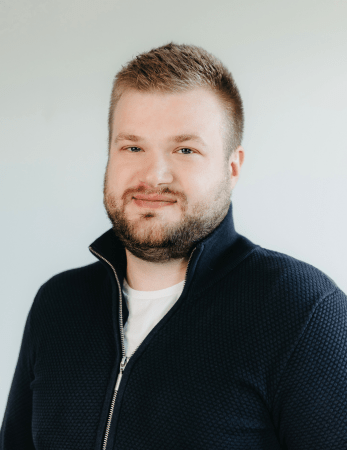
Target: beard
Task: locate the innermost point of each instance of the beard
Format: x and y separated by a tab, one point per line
151	241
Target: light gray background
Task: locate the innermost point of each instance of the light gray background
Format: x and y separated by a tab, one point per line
58	60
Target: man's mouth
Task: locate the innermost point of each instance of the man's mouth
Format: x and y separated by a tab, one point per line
153	201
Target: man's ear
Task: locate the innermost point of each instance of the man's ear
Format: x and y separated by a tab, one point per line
235	162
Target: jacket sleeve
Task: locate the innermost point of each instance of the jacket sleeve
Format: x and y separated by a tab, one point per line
311	401
16	427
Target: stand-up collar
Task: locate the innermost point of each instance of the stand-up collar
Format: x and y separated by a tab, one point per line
213	256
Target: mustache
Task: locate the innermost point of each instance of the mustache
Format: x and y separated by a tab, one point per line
130	192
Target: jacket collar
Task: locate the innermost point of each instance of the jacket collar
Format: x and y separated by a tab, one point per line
213	257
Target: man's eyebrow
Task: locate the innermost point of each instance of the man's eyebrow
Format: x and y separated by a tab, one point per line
127	137
178	139
187	137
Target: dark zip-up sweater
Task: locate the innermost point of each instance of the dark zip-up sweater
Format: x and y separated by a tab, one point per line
252	356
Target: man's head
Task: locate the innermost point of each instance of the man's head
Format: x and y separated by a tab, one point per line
170	145
176	68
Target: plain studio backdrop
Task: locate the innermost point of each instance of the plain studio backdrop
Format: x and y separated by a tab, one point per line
58	60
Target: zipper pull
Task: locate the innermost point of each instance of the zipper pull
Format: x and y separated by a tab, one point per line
123	363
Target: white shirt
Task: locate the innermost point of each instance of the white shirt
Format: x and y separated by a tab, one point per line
146	309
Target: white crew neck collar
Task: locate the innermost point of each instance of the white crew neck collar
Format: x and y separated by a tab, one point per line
176	288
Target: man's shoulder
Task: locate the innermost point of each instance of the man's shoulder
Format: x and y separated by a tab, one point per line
279	295
72	287
282	272
80	277
70	304
290	265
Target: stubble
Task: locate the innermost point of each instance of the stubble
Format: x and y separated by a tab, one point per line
162	242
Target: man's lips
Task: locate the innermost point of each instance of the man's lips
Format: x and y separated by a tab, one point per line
154	198
153	201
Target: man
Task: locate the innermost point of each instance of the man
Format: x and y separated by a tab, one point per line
184	334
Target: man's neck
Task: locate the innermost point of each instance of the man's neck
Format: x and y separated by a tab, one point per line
149	276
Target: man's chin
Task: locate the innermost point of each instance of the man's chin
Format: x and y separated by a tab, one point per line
151	245
151	240
164	215
149	231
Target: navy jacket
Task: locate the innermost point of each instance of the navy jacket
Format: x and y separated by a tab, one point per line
253	356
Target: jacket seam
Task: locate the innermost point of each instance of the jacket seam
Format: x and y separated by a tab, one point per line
299	340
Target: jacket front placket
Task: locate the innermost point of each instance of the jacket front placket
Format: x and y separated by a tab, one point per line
113	413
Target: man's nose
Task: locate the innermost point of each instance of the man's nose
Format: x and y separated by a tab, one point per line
156	171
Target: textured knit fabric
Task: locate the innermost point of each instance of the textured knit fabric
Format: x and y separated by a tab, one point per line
253	355
146	309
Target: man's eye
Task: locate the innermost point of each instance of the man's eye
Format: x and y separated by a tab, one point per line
186	150
133	149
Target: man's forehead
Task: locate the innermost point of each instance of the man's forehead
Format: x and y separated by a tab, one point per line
197	117
197	95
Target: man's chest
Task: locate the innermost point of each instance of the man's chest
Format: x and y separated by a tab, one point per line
191	385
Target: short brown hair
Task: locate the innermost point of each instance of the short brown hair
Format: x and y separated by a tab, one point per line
177	68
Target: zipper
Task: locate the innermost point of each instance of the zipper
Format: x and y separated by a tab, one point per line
121	369
125	359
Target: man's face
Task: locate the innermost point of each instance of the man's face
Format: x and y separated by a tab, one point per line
167	183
